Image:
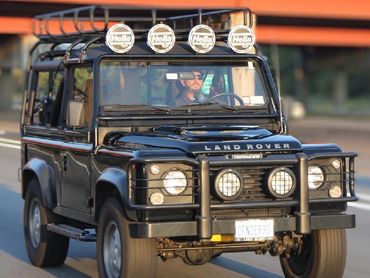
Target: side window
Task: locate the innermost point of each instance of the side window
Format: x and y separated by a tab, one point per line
49	88
83	92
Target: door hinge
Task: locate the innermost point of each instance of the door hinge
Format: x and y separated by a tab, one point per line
64	162
90	202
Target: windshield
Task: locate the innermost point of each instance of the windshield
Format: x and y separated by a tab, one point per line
235	85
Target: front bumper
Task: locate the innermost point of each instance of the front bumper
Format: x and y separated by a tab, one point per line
190	228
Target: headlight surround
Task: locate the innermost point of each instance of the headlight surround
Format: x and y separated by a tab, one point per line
315	177
281	182
175	182
228	184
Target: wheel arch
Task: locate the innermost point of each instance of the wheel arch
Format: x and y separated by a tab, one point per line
112	183
39	170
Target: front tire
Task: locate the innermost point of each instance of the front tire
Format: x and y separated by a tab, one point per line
44	248
323	255
118	254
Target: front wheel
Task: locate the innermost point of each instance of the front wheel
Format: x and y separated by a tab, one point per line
118	254
323	255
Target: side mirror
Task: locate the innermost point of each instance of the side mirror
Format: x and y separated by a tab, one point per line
75	114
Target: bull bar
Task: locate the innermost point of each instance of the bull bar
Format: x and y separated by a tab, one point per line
204	227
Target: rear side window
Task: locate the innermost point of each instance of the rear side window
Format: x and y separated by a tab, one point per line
48	91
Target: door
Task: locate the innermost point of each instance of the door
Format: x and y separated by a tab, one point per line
77	149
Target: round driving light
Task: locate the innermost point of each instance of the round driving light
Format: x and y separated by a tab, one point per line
202	38
241	39
120	38
315	177
157	198
335	191
336	164
161	38
175	182
281	182
154	169
228	185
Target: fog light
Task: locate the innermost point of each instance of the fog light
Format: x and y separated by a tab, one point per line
228	184
281	182
154	169
336	164
157	198
335	191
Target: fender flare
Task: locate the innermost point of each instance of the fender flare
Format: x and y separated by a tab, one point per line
118	179
43	173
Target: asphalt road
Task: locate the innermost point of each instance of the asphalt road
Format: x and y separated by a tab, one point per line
81	260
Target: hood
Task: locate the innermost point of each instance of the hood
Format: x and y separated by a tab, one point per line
209	139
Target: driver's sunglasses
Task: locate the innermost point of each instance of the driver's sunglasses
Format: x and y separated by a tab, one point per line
198	76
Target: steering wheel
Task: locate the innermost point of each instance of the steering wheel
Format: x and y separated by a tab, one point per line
238	98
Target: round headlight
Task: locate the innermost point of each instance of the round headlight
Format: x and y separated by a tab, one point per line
315	177
228	185
281	182
175	182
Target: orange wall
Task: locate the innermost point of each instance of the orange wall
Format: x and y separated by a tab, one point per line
346	9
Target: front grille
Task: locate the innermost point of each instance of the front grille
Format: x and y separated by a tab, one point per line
254	181
249	213
254	178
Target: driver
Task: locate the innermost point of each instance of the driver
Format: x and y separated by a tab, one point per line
191	89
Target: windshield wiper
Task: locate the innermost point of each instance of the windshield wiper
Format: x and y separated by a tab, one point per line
228	107
120	107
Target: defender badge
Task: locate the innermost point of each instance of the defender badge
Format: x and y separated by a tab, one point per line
241	39
161	38
202	38
120	38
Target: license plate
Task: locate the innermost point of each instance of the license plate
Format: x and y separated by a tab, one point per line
254	230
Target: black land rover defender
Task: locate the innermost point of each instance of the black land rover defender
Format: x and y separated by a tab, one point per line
161	133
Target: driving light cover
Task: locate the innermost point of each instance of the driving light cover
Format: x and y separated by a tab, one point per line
202	38
120	38
161	38
228	184
241	39
315	177
175	182
281	182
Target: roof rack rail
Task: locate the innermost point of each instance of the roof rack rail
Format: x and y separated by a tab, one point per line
88	22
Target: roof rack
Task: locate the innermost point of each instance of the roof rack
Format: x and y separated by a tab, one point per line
89	22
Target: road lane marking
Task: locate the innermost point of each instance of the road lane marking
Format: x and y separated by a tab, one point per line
363	197
11	146
360	205
10	141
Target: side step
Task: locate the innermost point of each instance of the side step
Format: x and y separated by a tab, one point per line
71	232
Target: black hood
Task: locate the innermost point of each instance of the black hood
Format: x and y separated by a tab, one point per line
210	139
